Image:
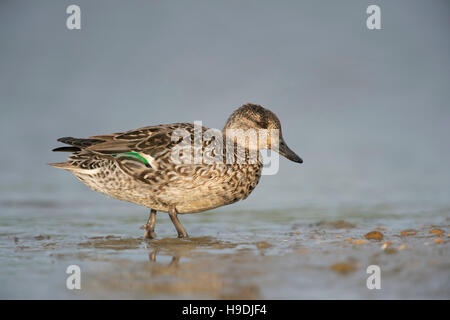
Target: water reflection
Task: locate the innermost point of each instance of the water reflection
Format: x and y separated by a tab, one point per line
173	263
208	268
178	248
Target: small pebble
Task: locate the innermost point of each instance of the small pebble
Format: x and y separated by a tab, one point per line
263	245
386	245
348	239
409	232
439	241
390	250
437	232
343	267
402	247
374	235
359	241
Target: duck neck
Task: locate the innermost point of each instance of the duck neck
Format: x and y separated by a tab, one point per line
241	144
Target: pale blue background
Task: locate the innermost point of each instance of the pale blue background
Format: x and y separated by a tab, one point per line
368	111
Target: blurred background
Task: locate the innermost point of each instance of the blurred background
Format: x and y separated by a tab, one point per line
367	110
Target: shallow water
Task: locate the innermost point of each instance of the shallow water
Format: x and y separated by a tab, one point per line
230	254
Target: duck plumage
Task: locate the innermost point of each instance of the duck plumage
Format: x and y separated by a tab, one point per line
138	165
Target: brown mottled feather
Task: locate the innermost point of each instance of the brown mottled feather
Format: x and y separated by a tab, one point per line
188	187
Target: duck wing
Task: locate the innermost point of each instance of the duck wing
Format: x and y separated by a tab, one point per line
142	153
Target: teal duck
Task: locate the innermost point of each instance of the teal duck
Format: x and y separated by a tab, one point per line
139	165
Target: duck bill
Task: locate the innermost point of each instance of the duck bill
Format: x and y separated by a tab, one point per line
288	153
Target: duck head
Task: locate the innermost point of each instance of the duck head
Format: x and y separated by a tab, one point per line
252	116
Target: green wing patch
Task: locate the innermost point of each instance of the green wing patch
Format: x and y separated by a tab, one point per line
133	156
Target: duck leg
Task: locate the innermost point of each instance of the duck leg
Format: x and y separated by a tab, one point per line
173	214
149	227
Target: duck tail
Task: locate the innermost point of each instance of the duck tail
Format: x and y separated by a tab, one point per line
77	143
60	165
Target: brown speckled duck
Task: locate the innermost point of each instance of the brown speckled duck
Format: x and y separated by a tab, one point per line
138	165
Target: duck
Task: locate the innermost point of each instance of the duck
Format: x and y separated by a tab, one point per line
156	166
